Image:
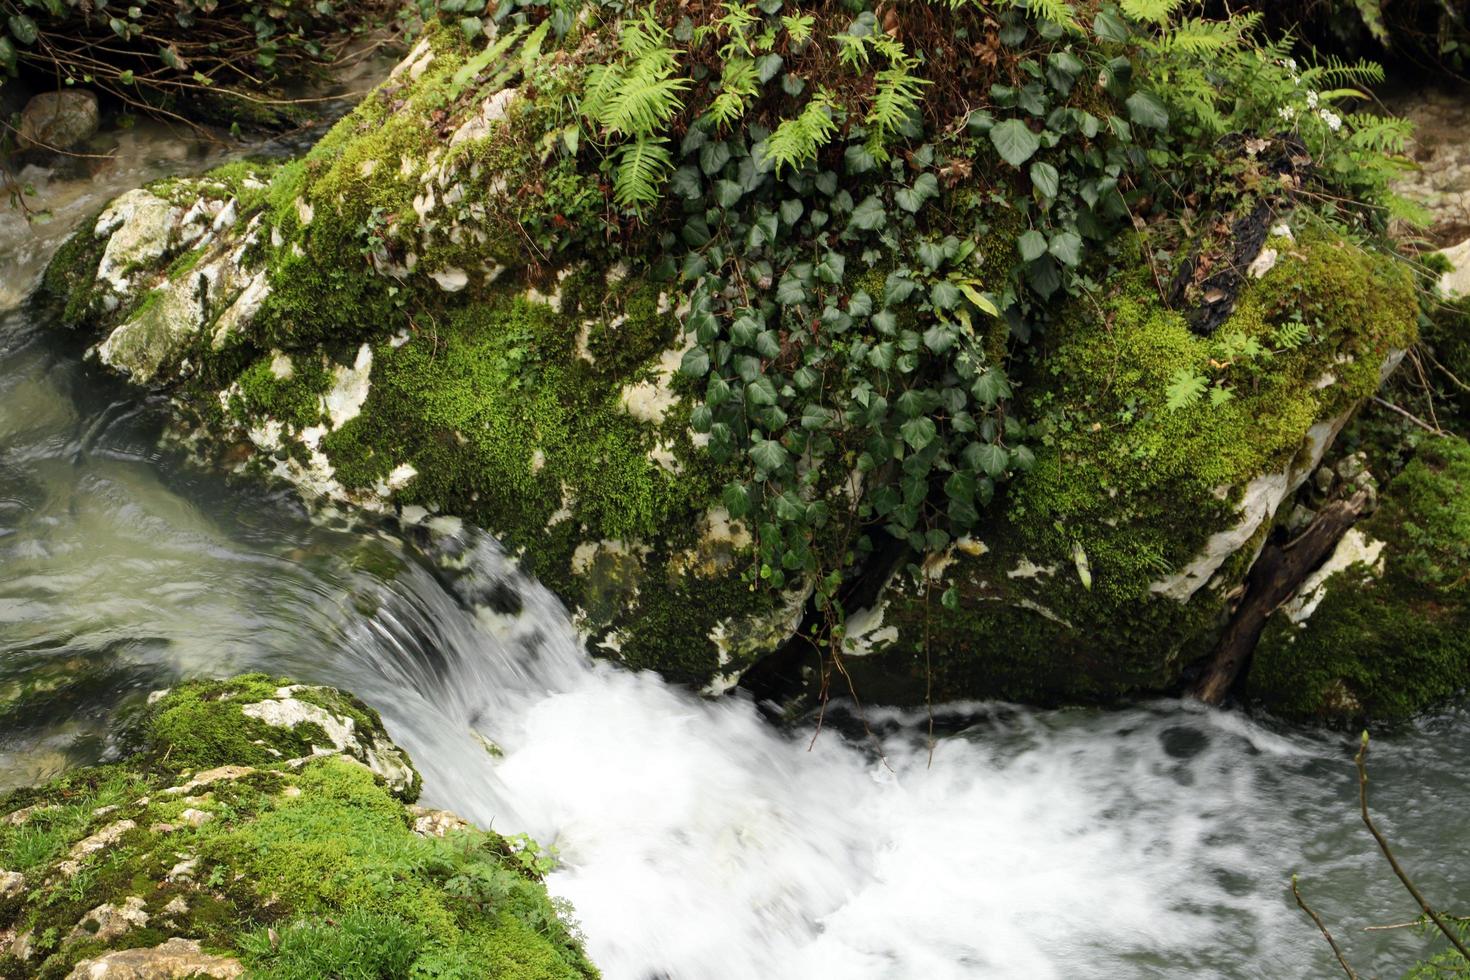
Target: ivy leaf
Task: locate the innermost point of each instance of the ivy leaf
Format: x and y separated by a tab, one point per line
857	159
790	291
990	388
1045	179
737	500
701	418
761	392
992	459
713	157
1146	110
945	295
695	363
728	193
23	29
791	211
881	356
897	288
1014	141
939	338
918	432
831	268
1032	245
868	215
767	345
768	455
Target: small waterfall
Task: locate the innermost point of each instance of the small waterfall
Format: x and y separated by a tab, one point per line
698	842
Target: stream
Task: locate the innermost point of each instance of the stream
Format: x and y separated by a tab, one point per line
698	841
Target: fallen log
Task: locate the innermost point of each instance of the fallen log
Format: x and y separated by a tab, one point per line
1275	577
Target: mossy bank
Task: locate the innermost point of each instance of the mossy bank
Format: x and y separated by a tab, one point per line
263	828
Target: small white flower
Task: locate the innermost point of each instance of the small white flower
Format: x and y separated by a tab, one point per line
1332	119
1287	112
1311	100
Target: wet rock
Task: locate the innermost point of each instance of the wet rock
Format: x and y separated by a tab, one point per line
12	883
1382	629
175	958
59	120
1456	283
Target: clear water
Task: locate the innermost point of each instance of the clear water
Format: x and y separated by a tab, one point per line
699	842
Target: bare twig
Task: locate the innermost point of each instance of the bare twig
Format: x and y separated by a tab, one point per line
1435	917
1336	950
1421	921
1447	372
1409	415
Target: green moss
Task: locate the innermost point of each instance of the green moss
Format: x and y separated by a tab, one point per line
1387	646
294	400
1138	487
68	289
200	726
302	871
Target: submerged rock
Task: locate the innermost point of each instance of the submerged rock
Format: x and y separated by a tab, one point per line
234	841
59	120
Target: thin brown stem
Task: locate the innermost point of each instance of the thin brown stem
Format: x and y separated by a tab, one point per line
1336	949
1362	762
1408	415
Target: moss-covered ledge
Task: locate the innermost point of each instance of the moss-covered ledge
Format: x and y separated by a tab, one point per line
258	826
1382	631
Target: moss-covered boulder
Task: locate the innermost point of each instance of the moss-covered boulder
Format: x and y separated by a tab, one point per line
708	399
1382	630
260	826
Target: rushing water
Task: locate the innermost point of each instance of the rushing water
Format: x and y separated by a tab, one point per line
698	842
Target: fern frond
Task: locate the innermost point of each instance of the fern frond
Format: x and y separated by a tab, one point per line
799	29
643	104
1151	11
602	82
643	166
739	83
796	141
895	99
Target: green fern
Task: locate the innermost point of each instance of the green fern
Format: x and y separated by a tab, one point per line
795	142
643	166
1185	389
799	29
739	83
636	97
1151	11
895	99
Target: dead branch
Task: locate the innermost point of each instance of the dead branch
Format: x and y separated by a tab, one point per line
1452	935
1336	950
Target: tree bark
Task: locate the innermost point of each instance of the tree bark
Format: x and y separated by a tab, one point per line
1273	579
